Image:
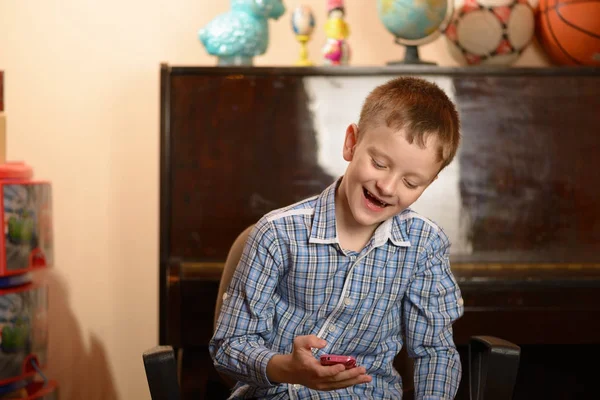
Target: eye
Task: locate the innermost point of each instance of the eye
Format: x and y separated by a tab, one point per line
377	164
410	185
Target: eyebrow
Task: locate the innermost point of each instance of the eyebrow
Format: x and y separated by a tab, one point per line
379	154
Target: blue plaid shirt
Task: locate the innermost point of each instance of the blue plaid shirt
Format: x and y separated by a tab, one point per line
294	279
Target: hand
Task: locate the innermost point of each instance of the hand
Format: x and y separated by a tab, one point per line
302	367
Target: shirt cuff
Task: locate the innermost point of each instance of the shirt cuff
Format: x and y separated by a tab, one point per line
260	358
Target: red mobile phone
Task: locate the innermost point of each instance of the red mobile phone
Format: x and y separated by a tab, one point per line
333	359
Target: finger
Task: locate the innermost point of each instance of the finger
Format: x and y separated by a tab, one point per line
309	341
361	379
332	371
338	373
312	341
346	374
357	380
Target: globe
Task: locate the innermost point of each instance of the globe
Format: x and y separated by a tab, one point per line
414	23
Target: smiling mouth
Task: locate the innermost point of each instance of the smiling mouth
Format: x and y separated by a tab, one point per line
374	199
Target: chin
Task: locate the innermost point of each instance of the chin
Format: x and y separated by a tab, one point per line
368	219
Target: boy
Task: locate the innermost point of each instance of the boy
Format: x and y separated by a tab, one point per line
353	271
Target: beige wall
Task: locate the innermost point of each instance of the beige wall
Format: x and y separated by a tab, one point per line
82	95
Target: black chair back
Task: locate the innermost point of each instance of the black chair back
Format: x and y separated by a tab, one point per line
161	373
493	367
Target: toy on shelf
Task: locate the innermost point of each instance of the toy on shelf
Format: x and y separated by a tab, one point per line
485	32
569	31
303	24
336	50
242	33
414	23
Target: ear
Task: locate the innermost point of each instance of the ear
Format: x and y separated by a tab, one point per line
350	141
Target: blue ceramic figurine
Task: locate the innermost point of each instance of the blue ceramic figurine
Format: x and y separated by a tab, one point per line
242	33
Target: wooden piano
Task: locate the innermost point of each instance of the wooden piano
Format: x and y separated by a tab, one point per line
521	201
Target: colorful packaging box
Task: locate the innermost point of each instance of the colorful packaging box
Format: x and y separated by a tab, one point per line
23	334
27	216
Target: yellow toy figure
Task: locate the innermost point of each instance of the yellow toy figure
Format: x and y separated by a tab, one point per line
303	24
336	50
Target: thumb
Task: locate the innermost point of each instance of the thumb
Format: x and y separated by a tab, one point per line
310	341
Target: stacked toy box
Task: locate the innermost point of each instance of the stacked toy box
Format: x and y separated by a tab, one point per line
25	247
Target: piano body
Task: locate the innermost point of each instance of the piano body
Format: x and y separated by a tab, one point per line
520	203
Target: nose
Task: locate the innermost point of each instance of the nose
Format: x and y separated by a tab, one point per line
385	185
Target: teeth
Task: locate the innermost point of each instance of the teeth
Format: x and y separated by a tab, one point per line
376	199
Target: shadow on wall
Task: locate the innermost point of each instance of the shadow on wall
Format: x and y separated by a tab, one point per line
81	371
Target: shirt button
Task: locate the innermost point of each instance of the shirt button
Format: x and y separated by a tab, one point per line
225	296
331	328
347	301
461	301
297	386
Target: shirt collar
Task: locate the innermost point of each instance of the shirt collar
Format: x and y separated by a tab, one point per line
393	230
324	228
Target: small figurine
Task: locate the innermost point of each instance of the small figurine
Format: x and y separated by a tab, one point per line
303	24
336	50
239	35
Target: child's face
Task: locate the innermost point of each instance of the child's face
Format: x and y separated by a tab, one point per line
386	174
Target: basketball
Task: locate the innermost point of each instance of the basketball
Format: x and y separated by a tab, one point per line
569	31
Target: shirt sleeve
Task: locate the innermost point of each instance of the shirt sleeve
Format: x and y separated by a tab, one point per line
238	346
432	304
